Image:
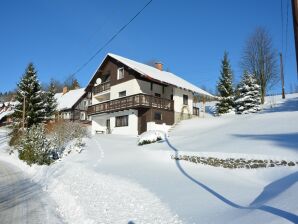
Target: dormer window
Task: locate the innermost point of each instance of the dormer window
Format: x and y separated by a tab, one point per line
120	73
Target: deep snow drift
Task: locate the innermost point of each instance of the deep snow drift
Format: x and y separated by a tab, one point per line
116	181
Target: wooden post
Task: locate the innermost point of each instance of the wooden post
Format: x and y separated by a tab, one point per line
24	108
282	77
204	102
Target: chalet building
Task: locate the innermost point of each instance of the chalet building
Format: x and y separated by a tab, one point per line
130	98
72	105
6	112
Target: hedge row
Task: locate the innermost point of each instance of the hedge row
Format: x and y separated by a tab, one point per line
232	163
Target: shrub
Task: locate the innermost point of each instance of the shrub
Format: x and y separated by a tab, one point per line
150	137
34	147
62	133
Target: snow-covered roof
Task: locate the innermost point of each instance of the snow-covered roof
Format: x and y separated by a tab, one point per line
163	76
69	99
6	113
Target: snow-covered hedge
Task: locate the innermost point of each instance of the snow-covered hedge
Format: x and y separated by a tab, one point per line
233	163
151	137
67	136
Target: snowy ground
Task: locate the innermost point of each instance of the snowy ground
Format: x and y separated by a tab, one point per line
116	181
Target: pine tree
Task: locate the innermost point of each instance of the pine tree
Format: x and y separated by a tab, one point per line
225	87
29	87
75	84
50	103
248	99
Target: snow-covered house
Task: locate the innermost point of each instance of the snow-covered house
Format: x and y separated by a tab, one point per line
72	105
6	112
129	97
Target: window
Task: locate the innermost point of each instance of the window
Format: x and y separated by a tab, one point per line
157	94
82	116
121	121
172	98
120	73
151	86
122	94
185	99
157	116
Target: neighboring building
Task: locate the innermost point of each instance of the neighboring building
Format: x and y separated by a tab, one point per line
72	105
6	112
129	97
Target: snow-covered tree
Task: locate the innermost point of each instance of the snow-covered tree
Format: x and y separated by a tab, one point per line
248	97
35	148
50	103
29	87
225	87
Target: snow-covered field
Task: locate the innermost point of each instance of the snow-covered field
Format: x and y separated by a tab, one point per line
115	181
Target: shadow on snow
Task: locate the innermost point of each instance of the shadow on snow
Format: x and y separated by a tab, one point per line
288	140
270	191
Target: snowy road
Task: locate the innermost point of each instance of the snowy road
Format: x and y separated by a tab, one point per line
21	200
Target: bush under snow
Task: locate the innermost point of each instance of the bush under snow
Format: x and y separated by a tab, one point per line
151	137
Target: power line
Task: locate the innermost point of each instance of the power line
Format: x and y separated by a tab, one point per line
110	40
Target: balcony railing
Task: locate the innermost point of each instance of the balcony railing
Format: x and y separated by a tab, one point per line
129	102
196	111
101	88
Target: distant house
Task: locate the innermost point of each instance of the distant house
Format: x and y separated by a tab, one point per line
6	112
129	97
72	105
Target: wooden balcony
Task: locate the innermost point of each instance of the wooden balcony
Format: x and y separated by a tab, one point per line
196	111
101	88
131	102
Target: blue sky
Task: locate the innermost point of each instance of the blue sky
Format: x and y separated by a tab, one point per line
189	37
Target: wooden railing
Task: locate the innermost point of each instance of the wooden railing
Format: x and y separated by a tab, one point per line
133	101
196	111
101	87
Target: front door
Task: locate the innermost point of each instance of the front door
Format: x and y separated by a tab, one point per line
108	126
143	127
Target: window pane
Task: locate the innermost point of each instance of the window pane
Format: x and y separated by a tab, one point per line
122	93
120	74
157	116
122	121
185	99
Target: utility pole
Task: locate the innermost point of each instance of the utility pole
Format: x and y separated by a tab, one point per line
282	78
295	24
24	109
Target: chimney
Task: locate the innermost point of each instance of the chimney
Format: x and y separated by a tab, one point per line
158	65
64	90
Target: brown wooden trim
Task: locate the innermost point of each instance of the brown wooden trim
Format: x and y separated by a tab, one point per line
132	101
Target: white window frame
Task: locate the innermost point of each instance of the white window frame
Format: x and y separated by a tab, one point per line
118	73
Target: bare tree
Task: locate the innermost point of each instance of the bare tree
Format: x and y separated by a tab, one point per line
259	58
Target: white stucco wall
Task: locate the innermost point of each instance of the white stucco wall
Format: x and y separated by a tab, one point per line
178	99
145	87
99	123
131	87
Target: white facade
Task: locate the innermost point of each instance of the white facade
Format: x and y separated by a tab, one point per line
99	123
135	86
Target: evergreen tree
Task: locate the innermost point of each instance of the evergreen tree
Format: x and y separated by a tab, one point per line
225	87
29	87
248	99
50	103
75	84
